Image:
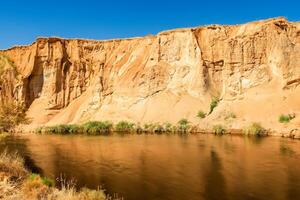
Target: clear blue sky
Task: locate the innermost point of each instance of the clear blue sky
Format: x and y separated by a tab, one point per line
24	20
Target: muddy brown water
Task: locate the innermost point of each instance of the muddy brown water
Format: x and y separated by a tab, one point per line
169	167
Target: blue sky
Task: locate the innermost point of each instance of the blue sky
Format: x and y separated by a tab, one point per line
23	21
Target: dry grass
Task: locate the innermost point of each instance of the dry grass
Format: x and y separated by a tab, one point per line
16	183
12	165
8	189
34	188
12	172
67	193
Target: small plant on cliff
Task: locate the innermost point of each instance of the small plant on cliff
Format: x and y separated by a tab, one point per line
286	118
201	114
213	104
183	125
254	129
124	126
219	129
12	114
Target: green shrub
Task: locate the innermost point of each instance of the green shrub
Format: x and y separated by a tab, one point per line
167	127
62	129
46	181
33	176
39	130
148	128
286	118
59	129
50	129
139	128
254	129
201	114
97	127
73	128
124	126
183	125
158	128
175	128
219	129
213	104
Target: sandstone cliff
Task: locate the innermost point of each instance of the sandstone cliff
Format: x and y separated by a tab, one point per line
254	69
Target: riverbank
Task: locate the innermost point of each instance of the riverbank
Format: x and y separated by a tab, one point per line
183	126
16	182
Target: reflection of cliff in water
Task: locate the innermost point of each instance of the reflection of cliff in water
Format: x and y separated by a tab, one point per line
293	176
215	186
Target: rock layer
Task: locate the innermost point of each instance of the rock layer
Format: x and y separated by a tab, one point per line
159	78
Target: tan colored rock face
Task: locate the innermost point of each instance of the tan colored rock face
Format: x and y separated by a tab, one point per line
156	78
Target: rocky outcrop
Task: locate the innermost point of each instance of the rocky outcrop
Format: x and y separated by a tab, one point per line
156	78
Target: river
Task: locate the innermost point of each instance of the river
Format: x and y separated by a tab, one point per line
168	167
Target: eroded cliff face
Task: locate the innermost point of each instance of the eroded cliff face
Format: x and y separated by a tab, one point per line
157	78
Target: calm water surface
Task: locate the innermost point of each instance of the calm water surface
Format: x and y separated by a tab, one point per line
162	167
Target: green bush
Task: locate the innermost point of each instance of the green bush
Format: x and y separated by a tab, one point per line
213	104
219	129
92	127
148	128
50	129
183	125
158	128
59	129
167	127
254	129
39	130
97	127
46	181
124	126
201	114
286	118
73	128
139	128
62	129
